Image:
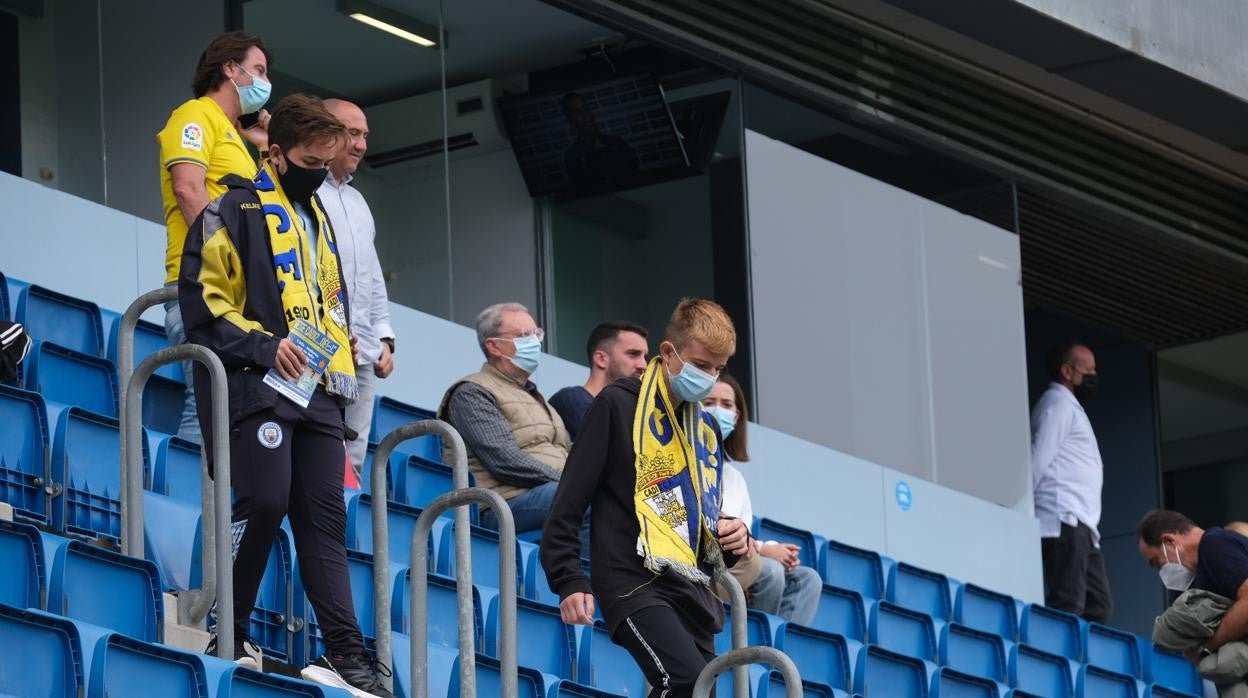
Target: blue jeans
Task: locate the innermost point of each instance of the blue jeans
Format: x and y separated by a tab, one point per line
794	596
188	428
529	510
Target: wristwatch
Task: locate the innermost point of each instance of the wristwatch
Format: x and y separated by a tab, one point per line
389	341
1205	651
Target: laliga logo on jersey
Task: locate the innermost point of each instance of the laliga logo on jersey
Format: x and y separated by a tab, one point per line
193	137
270	435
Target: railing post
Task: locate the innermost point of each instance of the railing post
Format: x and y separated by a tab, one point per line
132	479
125	367
749	655
740	630
463	579
381	535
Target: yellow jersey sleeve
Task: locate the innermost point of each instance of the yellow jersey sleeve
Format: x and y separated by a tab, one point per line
188	136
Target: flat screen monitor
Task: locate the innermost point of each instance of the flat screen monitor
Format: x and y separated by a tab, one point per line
602	136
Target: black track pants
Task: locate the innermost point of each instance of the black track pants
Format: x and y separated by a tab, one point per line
669	652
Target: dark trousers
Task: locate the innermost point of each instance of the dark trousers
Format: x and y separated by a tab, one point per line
288	461
670	653
1074	575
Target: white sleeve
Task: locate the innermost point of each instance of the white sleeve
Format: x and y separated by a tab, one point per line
1049	427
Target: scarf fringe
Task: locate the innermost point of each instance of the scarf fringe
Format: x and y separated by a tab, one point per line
658	564
342	384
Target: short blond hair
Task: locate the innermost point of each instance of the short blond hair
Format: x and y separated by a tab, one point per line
705	321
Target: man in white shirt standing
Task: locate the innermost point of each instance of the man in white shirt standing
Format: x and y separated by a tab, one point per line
1066	477
353	226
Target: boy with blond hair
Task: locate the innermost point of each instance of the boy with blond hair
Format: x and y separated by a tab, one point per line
647	465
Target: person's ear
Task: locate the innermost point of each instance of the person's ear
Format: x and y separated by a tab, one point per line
274	152
601	360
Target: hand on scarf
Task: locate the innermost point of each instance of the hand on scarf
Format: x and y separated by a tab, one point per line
289	360
734	536
577	609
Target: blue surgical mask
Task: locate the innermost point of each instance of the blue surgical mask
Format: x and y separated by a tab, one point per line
528	353
727	419
254	96
692	384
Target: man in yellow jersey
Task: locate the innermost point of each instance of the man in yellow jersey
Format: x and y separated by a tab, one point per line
199	145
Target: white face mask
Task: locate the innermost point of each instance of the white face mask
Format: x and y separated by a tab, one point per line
1174	575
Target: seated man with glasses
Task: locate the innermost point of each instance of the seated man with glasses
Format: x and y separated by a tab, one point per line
517	443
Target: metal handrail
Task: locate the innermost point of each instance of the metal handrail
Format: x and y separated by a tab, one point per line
740	657
507	656
740	630
218	571
463	550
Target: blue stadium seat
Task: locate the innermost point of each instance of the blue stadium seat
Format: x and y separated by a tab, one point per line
843	612
277	608
443	616
171	528
1173	672
390	414
6	312
948	683
72	378
400	522
40	655
761	629
853	568
163	399
360	568
1040	673
986	610
1112	650
810	543
394	473
22	585
485	561
24	440
536	588
1159	691
546	644
902	630
149	338
104	588
12	292
86	458
228	680
973	652
1052	630
424	480
60	319
821	658
919	590
489	680
177	470
1094	682
124	666
603	664
568	689
885	674
771	685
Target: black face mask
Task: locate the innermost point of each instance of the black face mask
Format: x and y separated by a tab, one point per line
1088	385
300	183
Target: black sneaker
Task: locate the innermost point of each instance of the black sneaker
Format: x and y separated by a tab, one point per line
241	656
358	674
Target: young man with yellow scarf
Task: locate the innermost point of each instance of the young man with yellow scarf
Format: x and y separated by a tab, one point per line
260	259
647	464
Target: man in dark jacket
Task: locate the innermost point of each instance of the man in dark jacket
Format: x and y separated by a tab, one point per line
258	264
647	465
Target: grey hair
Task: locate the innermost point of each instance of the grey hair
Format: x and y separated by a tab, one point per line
491	319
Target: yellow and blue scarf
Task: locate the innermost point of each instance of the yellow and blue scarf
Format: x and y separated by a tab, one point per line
678	474
320	301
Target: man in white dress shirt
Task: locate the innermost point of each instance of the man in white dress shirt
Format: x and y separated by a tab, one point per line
353	226
1066	477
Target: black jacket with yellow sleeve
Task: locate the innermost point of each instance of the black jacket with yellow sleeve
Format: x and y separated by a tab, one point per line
230	302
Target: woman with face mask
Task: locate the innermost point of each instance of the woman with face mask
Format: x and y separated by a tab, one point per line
782	587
